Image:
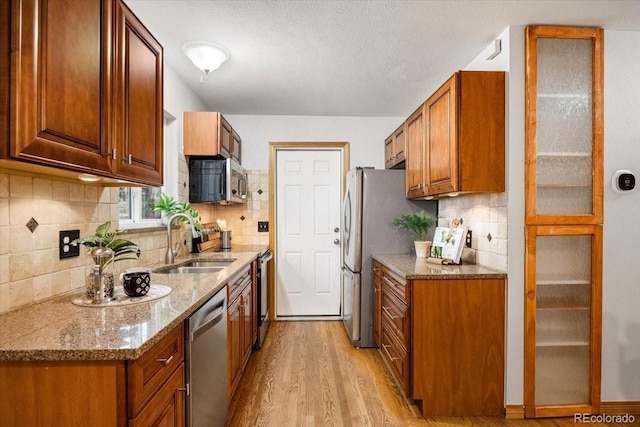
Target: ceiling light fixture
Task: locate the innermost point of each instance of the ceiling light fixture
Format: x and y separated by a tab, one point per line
205	55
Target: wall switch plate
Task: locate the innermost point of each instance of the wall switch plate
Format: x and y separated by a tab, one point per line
67	250
467	242
263	226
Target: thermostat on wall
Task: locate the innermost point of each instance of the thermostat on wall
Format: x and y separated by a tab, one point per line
623	181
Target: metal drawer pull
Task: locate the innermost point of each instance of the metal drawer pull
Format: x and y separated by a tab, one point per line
165	361
385	346
386	310
394	284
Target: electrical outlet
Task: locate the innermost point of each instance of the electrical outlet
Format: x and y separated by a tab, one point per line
467	242
66	249
263	226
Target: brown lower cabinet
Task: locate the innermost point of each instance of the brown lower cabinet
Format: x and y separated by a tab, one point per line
443	340
241	325
144	392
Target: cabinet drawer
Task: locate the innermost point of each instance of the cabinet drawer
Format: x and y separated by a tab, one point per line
395	315
237	284
396	283
148	373
397	358
167	407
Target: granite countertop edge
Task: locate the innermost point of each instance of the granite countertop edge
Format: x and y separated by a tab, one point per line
412	268
26	351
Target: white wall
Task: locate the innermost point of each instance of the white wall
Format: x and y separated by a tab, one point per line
178	97
365	135
621	269
515	186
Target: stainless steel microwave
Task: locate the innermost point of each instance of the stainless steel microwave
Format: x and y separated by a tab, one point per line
221	181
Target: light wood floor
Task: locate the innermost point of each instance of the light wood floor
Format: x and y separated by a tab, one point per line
307	374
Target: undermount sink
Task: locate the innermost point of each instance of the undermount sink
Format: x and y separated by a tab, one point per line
195	266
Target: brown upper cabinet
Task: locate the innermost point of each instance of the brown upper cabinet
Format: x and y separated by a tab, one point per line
414	165
85	97
394	147
138	101
210	134
461	148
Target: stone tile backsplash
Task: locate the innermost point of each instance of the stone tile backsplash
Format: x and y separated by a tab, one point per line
30	269
484	215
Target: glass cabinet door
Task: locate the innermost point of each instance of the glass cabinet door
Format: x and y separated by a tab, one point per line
564	299
564	126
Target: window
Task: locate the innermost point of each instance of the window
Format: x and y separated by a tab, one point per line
135	204
136	207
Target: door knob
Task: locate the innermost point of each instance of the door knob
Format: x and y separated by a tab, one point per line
336	242
336	230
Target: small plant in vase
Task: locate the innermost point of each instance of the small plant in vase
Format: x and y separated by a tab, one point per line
419	224
105	248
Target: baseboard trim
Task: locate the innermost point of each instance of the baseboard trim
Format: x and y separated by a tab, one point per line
514	412
620	408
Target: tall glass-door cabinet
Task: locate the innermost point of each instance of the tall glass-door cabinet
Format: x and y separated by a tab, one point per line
563	217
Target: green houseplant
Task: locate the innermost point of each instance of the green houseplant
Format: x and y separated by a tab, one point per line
169	206
105	247
419	224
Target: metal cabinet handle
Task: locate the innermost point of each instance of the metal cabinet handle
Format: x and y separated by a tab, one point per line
389	282
386	310
384	347
166	361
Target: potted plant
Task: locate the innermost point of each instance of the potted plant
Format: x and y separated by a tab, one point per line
169	206
105	248
419	224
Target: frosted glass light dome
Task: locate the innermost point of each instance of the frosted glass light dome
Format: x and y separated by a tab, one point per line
205	55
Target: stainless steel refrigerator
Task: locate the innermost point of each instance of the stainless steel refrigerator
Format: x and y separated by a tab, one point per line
372	199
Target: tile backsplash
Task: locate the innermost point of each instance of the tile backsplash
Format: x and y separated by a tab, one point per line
485	215
30	268
243	219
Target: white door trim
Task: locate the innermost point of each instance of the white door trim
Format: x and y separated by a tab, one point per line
273	148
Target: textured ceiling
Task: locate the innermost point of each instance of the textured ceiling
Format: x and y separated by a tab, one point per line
347	58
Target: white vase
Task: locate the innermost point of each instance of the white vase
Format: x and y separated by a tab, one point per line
422	248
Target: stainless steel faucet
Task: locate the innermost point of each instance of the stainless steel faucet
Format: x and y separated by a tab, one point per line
171	253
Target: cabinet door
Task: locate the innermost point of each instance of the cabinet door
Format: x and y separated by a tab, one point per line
399	144
138	99
234	345
167	408
564	125
62	84
441	166
377	302
414	164
563	305
247	323
388	152
225	137
236	146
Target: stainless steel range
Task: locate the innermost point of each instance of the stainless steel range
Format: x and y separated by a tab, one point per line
263	296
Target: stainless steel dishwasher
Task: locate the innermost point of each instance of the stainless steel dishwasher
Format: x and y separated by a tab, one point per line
207	363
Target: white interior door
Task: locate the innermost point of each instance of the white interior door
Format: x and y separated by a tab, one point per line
308	199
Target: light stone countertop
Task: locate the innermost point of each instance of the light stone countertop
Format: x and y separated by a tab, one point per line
412	268
56	329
